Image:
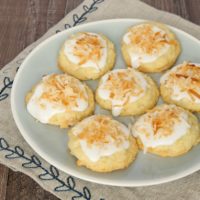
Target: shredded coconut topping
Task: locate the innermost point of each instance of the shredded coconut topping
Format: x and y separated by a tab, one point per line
88	47
187	78
147	40
62	89
101	130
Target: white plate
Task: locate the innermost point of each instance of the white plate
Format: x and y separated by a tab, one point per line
51	142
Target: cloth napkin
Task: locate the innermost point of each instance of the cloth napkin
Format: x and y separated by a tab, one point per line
16	153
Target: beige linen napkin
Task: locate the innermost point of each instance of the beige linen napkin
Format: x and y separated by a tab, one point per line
16	153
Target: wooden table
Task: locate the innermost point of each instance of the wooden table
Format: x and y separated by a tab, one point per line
24	21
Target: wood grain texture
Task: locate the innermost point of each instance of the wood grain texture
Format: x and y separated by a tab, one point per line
3	181
24	21
188	9
193	8
21	187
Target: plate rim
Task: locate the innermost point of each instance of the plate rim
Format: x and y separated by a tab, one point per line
74	173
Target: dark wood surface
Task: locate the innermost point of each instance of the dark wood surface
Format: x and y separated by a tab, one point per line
24	21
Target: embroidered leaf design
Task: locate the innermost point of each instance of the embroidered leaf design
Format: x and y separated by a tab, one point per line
86	193
3	96
76	197
75	17
62	188
51	174
85	8
54	171
34	162
71	183
69	186
29	164
67	26
19	151
3	144
7	85
46	176
12	155
7	82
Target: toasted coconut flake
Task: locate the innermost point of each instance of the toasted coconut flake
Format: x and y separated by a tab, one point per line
163	120
193	92
122	85
88	47
187	78
101	131
148	40
62	89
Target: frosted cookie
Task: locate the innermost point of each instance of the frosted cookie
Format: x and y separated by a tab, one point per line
60	99
167	130
150	47
102	144
181	86
126	92
87	55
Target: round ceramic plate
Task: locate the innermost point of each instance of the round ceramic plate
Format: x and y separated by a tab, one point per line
51	142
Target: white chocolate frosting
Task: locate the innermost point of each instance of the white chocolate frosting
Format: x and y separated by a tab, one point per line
161	126
87	50
146	43
101	136
122	86
55	94
184	82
